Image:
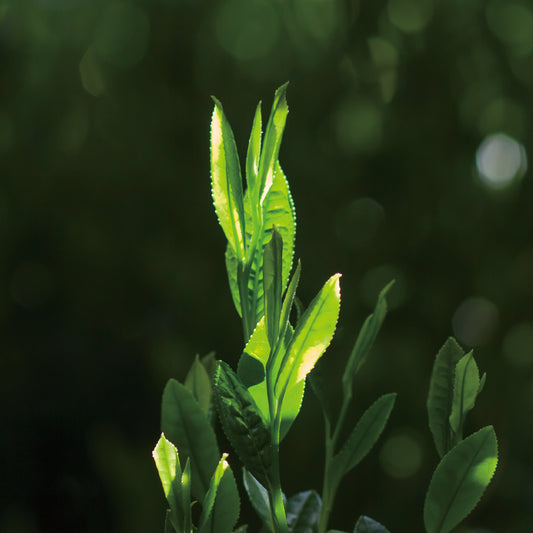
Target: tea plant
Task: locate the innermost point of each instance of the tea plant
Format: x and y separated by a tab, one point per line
258	401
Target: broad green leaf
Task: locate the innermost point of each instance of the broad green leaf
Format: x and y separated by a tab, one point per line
465	391
186	426
460	480
198	382
365	340
312	336
258	496
209	500
272	142
168	466
272	285
227	505
303	512
254	152
440	396
226	181
366	524
242	422
252	371
363	437
277	210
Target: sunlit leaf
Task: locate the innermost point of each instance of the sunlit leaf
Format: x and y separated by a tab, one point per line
209	500
440	396
252	371
460	480
243	422
226	181
312	335
254	152
272	285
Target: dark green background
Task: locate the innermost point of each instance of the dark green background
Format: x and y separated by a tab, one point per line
111	259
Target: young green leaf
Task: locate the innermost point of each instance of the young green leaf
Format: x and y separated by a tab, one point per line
277	210
252	371
272	286
186	426
209	500
242	422
258	496
312	336
303	512
363	437
460	480
226	181
198	382
465	391
366	524
272	142
482	383
167	462
365	340
254	152
440	396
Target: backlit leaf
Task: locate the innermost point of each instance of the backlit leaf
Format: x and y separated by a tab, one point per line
440	396
460	480
254	151
209	500
312	335
272	285
226	181
252	371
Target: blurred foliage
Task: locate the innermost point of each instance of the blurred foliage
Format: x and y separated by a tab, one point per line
406	149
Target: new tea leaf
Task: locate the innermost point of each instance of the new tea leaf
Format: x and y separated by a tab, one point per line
465	391
242	422
364	436
460	480
303	512
186	426
209	500
440	396
272	285
366	524
252	371
254	152
365	340
226	181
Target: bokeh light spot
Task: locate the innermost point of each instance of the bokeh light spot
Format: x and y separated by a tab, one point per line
320	18
512	23
385	58
376	278
91	73
518	345
247	29
474	321
401	455
410	15
358	222
121	37
358	126
500	160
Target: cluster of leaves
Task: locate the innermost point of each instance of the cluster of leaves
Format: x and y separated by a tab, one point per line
257	403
